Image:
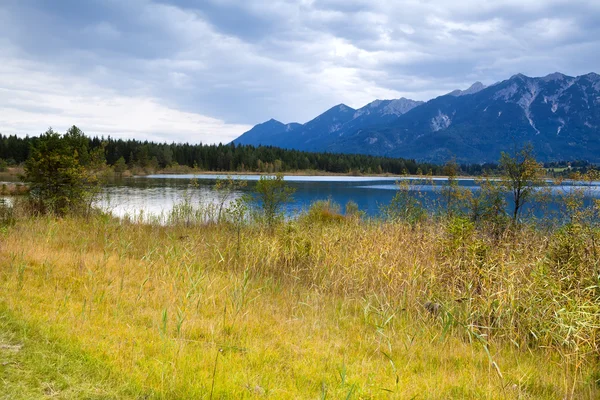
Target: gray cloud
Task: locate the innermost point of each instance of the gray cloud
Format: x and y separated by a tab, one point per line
209	69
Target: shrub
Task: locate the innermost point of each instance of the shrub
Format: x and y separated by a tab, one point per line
323	211
406	205
352	210
487	207
271	194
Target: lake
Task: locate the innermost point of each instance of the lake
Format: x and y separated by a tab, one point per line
157	194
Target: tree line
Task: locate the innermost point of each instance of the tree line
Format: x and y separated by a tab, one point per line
132	153
151	156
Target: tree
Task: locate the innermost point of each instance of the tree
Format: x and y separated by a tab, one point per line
120	166
521	174
79	143
271	193
58	182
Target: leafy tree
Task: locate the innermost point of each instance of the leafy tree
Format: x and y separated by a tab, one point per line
59	184
521	174
271	194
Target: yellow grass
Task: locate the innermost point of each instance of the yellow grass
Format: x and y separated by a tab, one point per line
306	311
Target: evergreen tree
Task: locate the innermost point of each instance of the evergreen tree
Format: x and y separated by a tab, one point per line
59	183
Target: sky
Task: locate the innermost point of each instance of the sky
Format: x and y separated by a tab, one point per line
207	70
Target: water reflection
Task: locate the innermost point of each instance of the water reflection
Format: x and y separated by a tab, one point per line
157	194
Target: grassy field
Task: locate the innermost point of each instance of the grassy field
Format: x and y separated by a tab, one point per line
96	308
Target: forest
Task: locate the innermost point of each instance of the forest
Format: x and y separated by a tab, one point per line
150	156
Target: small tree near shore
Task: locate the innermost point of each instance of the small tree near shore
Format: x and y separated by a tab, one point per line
521	175
59	182
271	194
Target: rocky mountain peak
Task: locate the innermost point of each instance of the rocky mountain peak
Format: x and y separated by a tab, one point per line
474	88
557	113
556	76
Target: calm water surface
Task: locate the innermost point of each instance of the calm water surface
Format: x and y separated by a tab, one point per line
157	194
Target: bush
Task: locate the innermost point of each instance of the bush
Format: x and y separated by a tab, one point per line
271	194
487	207
352	210
406	205
323	211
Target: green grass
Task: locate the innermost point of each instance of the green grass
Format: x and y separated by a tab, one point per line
34	365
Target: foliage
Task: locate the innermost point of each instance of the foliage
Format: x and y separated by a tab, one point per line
225	188
459	231
271	194
521	175
178	297
60	173
455	196
352	210
120	166
147	156
407	205
241	158
487	206
575	195
324	211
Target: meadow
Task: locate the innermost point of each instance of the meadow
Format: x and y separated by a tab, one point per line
322	306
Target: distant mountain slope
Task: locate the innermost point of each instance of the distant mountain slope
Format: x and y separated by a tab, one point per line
558	114
328	127
266	133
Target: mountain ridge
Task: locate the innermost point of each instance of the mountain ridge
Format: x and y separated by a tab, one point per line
557	113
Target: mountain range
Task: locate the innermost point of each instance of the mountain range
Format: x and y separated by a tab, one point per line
558	114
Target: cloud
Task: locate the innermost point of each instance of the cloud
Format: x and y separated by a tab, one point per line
25	109
220	66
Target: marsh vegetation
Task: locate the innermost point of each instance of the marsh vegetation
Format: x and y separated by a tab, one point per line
231	300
